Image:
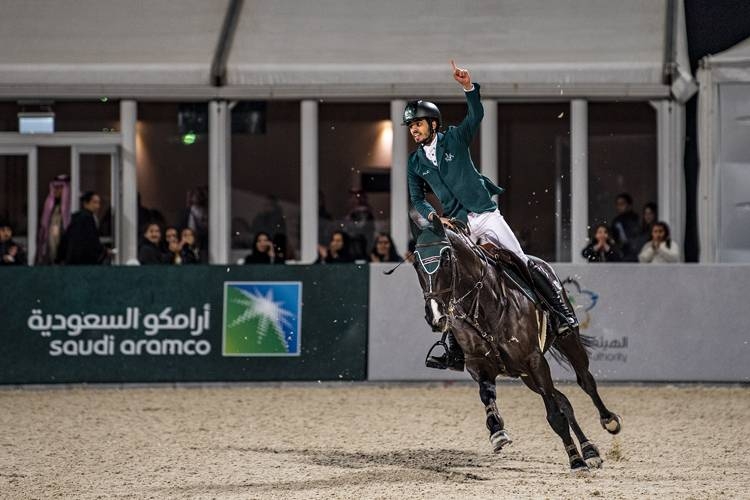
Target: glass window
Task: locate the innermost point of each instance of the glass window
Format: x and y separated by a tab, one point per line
533	167
355	142
70	116
172	163
266	176
13	193
622	157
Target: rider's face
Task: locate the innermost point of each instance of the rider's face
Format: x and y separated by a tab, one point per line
419	130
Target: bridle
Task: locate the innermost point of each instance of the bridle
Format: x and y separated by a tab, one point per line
454	308
454	303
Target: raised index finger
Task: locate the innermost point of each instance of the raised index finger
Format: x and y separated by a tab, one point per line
453	63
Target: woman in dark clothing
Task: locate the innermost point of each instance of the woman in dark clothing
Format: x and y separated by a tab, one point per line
190	252
338	251
384	250
263	252
150	251
602	248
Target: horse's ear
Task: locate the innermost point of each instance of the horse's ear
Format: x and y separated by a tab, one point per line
437	226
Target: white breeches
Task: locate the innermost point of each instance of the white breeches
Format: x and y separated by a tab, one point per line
491	226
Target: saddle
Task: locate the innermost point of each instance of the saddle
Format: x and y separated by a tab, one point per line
512	268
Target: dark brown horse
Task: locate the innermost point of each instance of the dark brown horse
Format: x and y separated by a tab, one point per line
503	332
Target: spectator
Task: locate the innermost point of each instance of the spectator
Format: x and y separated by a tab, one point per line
263	250
172	246
150	252
647	222
661	248
190	252
325	219
338	250
54	220
271	219
384	250
360	224
11	253
601	248
196	215
80	243
626	227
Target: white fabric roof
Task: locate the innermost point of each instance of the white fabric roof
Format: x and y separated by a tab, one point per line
394	44
164	48
731	65
105	44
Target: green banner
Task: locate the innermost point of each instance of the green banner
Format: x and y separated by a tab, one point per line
182	324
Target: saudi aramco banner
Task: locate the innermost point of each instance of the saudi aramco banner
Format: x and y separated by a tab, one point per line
201	323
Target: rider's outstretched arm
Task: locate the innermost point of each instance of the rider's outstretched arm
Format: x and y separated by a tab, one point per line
475	112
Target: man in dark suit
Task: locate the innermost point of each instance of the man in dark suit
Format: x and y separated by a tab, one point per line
80	244
443	162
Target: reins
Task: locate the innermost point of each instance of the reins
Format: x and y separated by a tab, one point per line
454	307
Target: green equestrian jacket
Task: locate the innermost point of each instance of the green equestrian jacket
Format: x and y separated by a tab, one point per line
455	181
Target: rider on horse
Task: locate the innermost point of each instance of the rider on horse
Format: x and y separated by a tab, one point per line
443	162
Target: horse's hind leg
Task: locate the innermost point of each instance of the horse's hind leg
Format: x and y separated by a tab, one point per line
574	351
542	379
588	449
499	437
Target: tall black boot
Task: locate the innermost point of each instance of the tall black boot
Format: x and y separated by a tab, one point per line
452	358
552	293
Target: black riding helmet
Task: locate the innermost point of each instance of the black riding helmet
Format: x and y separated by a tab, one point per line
421	110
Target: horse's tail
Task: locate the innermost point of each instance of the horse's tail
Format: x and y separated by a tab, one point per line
587	341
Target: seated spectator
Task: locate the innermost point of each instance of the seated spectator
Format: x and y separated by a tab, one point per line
171	245
626	227
150	251
80	244
338	250
190	252
661	248
11	253
601	248
648	218
263	250
384	250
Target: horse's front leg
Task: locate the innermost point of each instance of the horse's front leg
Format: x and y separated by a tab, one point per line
499	437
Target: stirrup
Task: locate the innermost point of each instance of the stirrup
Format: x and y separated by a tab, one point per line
431	361
444	362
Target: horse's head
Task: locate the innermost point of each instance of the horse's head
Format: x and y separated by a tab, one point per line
437	270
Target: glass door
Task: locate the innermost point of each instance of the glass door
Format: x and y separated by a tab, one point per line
96	169
18	203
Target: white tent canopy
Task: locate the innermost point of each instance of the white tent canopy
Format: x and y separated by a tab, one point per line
515	47
358	48
106	47
724	149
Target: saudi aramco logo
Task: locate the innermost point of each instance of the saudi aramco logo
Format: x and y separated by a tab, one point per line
262	318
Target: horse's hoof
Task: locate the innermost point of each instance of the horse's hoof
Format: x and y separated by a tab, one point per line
577	465
500	439
612	425
591	455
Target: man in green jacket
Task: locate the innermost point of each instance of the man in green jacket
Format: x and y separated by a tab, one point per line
443	162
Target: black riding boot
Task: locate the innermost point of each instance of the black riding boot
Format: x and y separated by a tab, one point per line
552	294
452	358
